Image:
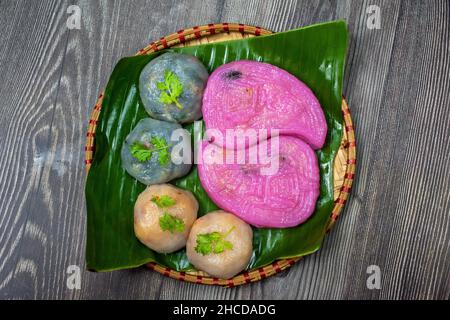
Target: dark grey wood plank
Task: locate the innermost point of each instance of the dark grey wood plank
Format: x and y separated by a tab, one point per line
397	84
31	67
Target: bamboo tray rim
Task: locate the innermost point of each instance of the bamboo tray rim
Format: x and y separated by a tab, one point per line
348	145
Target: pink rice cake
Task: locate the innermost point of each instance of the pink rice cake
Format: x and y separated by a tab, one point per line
284	198
249	94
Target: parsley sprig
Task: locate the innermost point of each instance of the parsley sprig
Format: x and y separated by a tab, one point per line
214	242
143	153
167	222
171	88
163	201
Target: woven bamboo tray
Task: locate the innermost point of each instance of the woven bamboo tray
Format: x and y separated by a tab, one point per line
344	164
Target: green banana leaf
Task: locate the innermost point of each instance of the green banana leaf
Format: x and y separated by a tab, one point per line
314	54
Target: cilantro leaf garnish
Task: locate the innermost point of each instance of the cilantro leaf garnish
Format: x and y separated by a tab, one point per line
162	147
171	88
214	242
163	201
143	153
170	223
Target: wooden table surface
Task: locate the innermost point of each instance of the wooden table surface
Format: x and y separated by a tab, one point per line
397	82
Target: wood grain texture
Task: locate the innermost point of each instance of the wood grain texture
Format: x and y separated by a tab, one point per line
398	86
